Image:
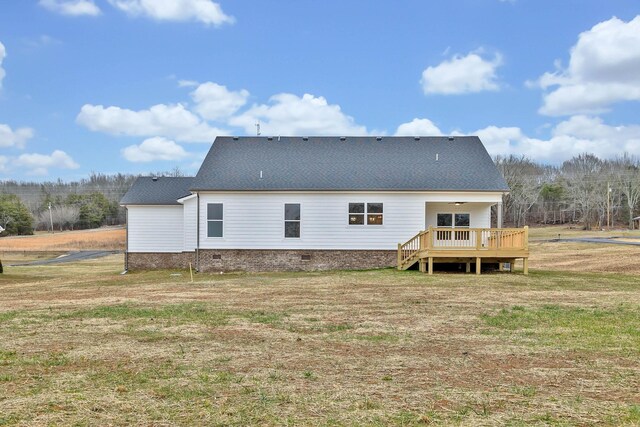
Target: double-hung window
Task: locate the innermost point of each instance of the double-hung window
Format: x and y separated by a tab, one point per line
292	220
372	212
214	220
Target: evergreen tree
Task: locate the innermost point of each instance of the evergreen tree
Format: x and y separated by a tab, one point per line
15	218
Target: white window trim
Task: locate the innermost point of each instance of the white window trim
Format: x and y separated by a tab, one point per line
453	226
365	214
453	219
285	220
216	220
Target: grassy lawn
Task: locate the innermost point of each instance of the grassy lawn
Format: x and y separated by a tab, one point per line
81	344
575	230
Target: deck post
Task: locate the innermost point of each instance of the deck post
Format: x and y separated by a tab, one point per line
399	256
468	269
423	265
525	266
500	266
478	265
429	237
478	239
430	265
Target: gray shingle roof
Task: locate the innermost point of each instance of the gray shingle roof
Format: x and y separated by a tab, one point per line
162	191
351	163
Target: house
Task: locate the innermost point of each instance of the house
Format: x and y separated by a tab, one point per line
309	203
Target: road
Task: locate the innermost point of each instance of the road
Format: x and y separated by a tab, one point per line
606	240
70	257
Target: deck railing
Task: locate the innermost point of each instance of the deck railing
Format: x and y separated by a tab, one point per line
478	239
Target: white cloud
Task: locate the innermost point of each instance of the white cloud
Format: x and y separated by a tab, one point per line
41	41
156	148
288	114
205	11
418	127
187	83
71	7
462	74
578	134
38	164
4	160
604	68
171	121
14	138
216	102
3	54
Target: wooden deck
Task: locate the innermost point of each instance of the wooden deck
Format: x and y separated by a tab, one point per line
465	245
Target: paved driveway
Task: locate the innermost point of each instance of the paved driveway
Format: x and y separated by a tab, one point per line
70	257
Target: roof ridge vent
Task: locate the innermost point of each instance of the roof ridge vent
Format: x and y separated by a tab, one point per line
305	138
235	138
269	138
154	178
343	138
378	138
451	138
417	138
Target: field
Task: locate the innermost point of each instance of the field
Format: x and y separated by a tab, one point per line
81	344
109	238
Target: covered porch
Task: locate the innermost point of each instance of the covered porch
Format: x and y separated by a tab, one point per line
465	245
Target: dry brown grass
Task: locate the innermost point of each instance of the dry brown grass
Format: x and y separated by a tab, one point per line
585	257
572	231
81	344
100	238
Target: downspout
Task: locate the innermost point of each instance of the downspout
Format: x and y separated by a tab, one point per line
197	231
126	239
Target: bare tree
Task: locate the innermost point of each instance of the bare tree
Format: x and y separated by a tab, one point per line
585	185
524	179
43	221
63	216
627	180
66	216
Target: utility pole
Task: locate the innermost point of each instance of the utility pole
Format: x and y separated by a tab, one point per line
50	217
608	205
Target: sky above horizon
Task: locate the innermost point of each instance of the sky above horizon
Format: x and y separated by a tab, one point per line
139	86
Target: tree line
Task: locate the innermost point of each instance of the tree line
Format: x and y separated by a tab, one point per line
88	203
585	190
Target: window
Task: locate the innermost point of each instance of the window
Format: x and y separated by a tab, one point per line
356	213
458	220
292	220
461	220
445	220
372	212
214	220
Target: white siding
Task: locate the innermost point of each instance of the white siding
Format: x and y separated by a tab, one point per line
190	215
255	220
155	229
479	213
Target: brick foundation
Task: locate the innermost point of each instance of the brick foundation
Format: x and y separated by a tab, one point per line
267	260
157	260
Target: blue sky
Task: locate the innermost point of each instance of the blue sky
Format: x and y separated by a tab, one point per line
136	86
